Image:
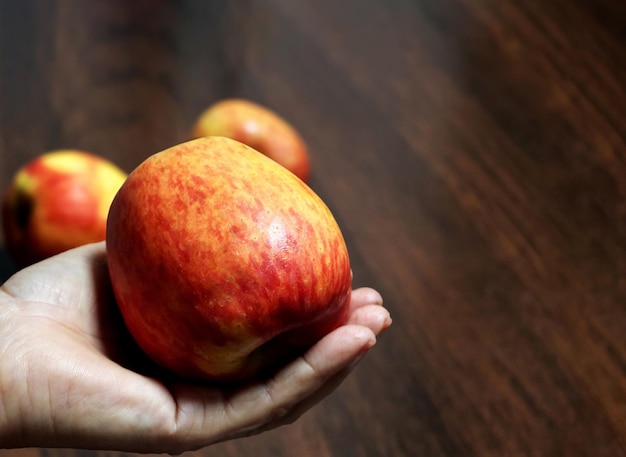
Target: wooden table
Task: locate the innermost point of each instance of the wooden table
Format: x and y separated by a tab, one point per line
474	153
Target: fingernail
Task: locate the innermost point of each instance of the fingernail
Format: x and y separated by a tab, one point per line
387	322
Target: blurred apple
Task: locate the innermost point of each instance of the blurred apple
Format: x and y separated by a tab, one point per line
58	201
259	128
223	263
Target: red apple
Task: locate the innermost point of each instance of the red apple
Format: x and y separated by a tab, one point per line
57	202
259	128
223	263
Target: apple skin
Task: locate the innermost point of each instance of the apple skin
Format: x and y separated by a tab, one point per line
58	201
223	263
258	127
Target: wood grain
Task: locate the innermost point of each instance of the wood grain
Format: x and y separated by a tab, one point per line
473	153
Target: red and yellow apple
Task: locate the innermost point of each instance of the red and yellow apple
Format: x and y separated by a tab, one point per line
222	262
258	127
58	201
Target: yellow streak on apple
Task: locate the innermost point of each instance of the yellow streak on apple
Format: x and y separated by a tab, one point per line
108	176
25	182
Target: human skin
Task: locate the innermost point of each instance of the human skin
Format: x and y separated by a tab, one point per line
72	377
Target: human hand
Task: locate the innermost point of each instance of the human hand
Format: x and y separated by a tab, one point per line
71	375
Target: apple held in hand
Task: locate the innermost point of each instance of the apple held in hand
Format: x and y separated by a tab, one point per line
259	128
223	263
57	202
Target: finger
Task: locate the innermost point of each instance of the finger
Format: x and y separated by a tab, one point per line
366	310
261	405
308	374
70	270
374	317
297	410
365	296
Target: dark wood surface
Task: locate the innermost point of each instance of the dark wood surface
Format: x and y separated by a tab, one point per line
474	153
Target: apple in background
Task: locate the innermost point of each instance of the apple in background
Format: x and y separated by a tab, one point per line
58	201
223	263
259	128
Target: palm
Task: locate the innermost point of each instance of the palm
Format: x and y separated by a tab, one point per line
80	381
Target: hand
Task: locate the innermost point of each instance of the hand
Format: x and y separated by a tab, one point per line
71	375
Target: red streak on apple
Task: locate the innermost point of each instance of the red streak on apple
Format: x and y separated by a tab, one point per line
78	208
223	262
